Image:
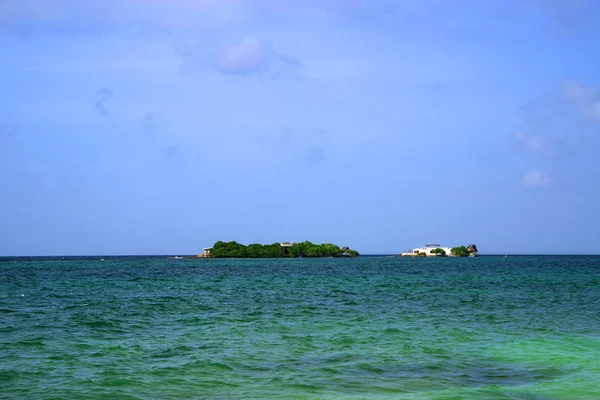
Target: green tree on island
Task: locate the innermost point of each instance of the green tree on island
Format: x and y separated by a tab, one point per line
460	251
351	253
439	252
302	249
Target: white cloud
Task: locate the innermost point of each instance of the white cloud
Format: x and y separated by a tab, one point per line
536	143
536	179
246	55
585	98
250	56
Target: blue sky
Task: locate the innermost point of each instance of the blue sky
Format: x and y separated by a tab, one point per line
159	127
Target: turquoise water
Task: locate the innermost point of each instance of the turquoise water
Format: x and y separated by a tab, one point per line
476	328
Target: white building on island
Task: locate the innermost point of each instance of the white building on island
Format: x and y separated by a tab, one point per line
206	253
426	250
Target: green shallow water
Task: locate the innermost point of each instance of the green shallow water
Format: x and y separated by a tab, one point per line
366	328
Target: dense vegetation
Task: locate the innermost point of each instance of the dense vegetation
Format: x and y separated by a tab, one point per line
460	251
237	250
275	250
439	252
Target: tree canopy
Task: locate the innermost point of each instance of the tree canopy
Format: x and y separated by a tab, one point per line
460	251
302	249
438	251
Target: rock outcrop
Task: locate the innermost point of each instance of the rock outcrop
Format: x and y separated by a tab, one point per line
472	249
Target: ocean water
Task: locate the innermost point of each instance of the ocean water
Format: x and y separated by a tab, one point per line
365	328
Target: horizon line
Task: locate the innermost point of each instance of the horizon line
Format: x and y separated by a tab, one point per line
362	254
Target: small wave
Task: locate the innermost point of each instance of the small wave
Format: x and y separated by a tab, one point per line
370	368
38	343
222	366
59	357
212	365
101	324
174	352
72	306
299	385
344	292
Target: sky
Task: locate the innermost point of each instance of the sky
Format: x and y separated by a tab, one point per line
160	127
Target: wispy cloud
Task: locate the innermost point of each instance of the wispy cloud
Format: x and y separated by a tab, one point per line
253	56
536	179
25	16
568	15
585	98
536	143
562	125
102	97
150	123
560	120
107	16
315	156
250	56
171	151
7	131
95	16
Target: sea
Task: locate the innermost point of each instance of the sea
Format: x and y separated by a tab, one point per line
490	327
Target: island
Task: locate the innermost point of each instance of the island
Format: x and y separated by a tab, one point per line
436	250
276	250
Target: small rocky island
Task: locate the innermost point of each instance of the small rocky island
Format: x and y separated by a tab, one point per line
435	250
276	250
